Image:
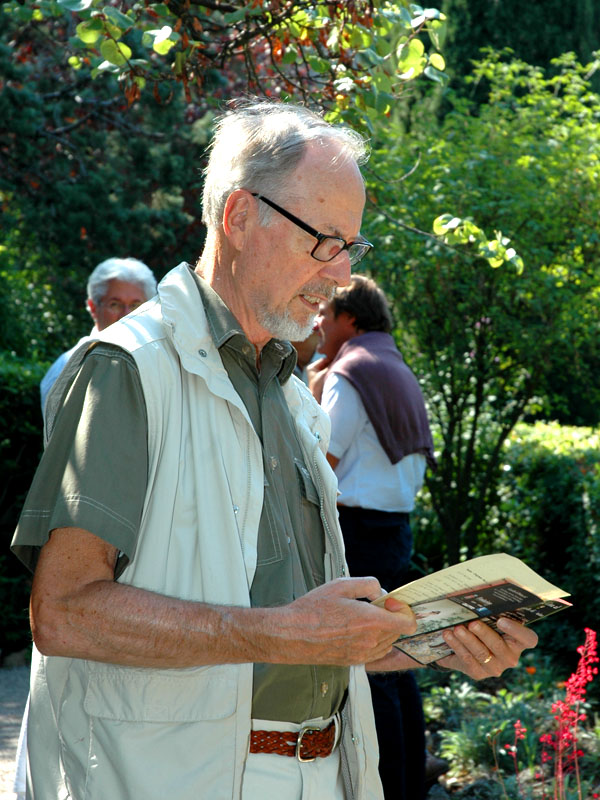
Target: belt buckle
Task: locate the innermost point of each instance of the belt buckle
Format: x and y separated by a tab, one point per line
301	736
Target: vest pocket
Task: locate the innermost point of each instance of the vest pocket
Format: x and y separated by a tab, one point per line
131	694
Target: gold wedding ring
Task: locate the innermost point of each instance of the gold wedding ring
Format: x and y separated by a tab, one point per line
489	658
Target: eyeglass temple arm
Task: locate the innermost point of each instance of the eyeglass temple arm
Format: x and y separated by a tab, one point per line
292	218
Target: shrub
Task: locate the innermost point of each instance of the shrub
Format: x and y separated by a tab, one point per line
20	450
547	514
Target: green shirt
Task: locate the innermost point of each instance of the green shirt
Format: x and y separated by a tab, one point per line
291	545
81	482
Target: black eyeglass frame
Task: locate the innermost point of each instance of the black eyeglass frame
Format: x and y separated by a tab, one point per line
320	237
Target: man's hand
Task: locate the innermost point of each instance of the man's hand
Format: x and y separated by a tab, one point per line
330	625
480	652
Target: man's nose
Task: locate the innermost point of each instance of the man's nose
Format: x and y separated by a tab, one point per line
338	269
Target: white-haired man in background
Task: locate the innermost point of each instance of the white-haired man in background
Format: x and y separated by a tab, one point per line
115	287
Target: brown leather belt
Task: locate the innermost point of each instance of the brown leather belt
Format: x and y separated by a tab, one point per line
306	744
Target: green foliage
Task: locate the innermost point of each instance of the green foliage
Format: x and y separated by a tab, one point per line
547	512
549	515
84	177
474	725
14	604
20	449
325	53
486	343
537	32
468	716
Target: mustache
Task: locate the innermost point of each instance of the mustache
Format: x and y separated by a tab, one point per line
323	288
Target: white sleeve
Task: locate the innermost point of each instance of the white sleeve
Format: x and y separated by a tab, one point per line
346	411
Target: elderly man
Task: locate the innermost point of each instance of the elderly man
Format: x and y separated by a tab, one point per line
115	287
198	636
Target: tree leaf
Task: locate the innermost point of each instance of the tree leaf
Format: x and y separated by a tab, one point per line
318	64
437	60
159	39
90	31
435	75
75	5
116	53
117	18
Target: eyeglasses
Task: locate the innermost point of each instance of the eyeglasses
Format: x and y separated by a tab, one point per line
117	307
327	247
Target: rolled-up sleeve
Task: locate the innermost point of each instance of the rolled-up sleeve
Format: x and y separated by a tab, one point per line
93	473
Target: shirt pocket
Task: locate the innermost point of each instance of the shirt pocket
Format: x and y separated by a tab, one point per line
311	541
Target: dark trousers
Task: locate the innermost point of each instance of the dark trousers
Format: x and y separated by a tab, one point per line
379	543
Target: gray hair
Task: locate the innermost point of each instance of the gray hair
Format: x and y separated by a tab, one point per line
259	143
120	269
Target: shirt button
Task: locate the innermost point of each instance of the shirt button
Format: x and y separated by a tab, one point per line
202	353
274	462
324	688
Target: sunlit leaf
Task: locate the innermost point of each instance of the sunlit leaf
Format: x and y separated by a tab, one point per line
159	40
116	53
436	60
75	5
433	13
411	51
90	31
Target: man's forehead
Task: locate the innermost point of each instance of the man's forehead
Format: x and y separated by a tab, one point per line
116	286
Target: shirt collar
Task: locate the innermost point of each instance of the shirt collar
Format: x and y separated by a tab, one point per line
225	328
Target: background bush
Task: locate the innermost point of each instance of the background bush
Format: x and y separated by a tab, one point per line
548	514
20	449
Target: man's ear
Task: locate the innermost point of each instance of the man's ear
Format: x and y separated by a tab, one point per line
91	307
239	212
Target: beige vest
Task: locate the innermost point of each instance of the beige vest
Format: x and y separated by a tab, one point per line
151	733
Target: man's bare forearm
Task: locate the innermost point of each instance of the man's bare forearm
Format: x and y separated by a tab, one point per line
78	611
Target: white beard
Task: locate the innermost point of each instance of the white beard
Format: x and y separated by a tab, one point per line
281	325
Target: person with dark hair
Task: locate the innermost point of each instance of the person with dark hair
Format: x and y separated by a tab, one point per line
196	634
380	446
364	307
